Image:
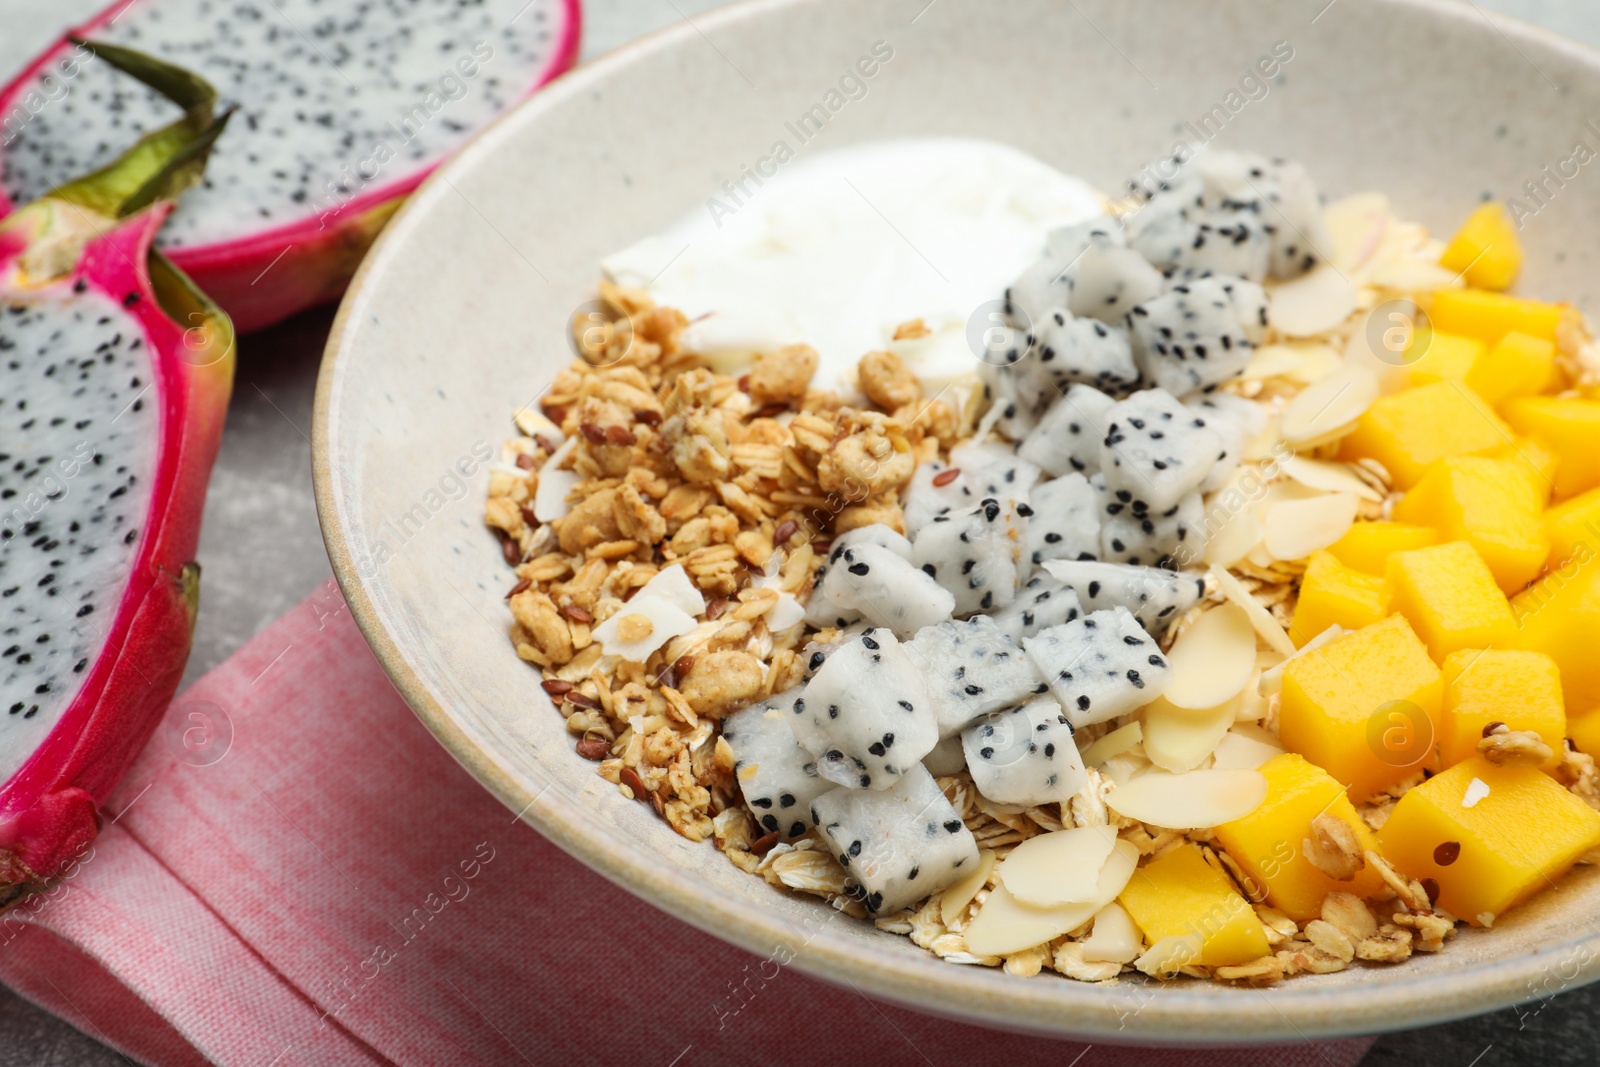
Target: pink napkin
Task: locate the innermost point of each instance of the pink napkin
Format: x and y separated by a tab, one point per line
296	873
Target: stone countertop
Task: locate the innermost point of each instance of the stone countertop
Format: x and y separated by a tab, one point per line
262	552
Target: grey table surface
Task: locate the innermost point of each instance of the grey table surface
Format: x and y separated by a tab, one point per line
262	552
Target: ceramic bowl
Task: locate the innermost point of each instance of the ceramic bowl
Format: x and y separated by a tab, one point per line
459	316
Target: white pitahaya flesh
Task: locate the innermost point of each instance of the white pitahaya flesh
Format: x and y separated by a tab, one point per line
1237	421
1132	533
1108	282
1065	523
829	604
1157	449
1099	666
1042	603
982	469
867	581
117	375
1192	336
971	668
1025	755
777	776
1156	597
1067	349
1068	437
976	553
866	714
346	106
899	844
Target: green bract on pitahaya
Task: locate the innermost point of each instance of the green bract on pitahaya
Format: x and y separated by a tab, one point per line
976	553
777	776
1156	449
1025	755
346	106
1065	523
1156	597
832	602
1042	603
1132	532
117	374
1100	666
971	668
866	715
900	844
1192	337
867	581
982	470
1068	437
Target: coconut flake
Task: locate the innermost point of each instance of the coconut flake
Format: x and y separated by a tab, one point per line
555	484
1113	744
1212	659
960	893
675	587
1196	800
1179	739
1260	617
1327	409
1293	529
1329	477
641	626
1062	867
1005	925
531	422
1477	789
1114	939
785	613
1246	747
1313	303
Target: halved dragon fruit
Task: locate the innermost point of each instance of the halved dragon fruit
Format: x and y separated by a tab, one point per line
1068	437
777	776
971	668
899	844
1156	597
1025	755
117	378
1100	666
976	553
866	714
1042	603
1065	523
346	107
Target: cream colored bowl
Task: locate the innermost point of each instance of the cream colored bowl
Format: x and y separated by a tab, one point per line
458	316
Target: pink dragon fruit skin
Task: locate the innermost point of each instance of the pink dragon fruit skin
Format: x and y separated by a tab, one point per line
283	268
48	807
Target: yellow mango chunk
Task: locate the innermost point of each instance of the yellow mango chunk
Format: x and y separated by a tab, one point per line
1179	893
1450	596
1266	844
1365	707
1434	356
1482	686
1491	504
1367	546
1485	251
1518	365
1571	524
1572	428
1490	316
1492	848
1410	429
1559	615
1585	732
1536	460
1333	594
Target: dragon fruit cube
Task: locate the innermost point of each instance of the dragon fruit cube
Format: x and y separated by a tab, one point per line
866	714
1157	449
1100	666
976	553
1192	336
1068	437
1025	755
777	776
1156	597
971	668
1065	523
871	582
1042	603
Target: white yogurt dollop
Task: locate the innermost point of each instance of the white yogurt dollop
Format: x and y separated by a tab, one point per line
839	248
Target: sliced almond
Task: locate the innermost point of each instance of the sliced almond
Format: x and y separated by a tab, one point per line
960	893
1062	867
1114	937
1271	683
1317	361
1260	617
1357	224
1293	529
1245	746
1414	276
1233	536
1329	477
1193	801
1179	739
1316	302
1272	361
1113	744
1005	925
1171	954
1212	659
1327	409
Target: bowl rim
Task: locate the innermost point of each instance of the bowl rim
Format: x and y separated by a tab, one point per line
1204	1016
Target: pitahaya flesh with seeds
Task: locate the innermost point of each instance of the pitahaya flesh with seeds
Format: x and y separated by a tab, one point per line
867	581
899	844
1100	666
1068	437
345	107
971	668
830	603
1025	755
1065	523
1132	532
977	553
118	372
1042	603
1155	596
1193	336
982	469
777	776
1157	449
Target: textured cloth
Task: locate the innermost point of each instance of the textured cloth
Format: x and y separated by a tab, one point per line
296	873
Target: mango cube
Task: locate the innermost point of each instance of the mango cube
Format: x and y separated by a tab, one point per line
1266	844
1559	616
1179	893
1333	594
1491	504
1518	365
1410	429
1365	707
1483	686
1573	523
1367	546
1441	357
1536	460
1449	594
1569	426
1490	316
1485	251
1585	732
1491	845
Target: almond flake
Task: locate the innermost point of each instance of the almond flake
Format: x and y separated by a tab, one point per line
1196	800
1179	739
1171	954
1247	746
960	893
1005	925
1233	538
1477	789
1313	303
1113	744
1114	938
1357	224
1265	625
1212	659
1272	361
1329	477
1327	409
1296	528
1058	868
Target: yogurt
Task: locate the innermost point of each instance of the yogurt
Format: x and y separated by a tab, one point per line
838	249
